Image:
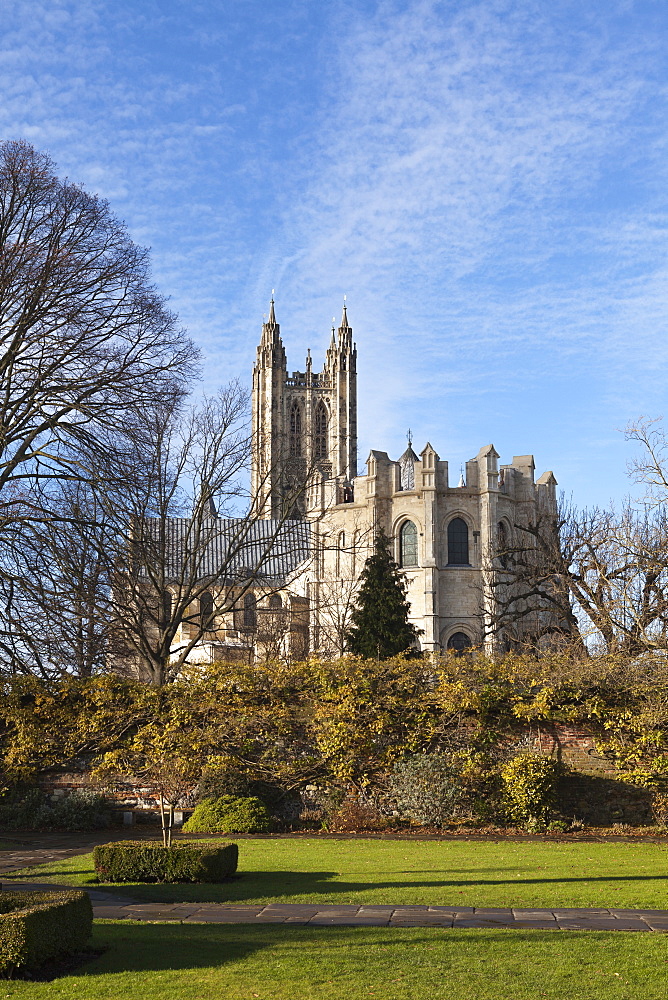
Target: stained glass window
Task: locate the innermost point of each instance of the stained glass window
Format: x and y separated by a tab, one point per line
250	611
502	544
320	443
408	544
295	429
206	611
459	642
458	542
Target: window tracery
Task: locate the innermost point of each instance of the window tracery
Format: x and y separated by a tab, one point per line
250	611
459	642
206	611
458	542
296	430
502	544
320	436
408	545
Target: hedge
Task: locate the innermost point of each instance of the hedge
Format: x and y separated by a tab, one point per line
187	861
38	926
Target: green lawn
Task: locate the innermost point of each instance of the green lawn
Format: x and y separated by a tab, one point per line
278	962
470	873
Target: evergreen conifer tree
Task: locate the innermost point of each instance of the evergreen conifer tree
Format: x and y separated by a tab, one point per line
380	626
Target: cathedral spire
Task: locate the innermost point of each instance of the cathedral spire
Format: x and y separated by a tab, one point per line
270	351
345	331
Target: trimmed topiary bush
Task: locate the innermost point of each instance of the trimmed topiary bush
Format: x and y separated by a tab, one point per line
530	788
38	926
229	814
187	861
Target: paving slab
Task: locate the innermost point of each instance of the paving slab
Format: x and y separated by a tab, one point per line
532	925
480	922
407	922
350	921
656	923
591	924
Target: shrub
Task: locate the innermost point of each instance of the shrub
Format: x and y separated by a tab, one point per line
229	814
38	926
32	810
430	788
530	788
660	807
216	782
355	814
25	809
132	861
81	810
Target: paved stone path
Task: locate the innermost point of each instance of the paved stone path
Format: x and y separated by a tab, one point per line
570	919
124	908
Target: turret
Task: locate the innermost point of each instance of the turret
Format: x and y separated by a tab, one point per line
303	424
269	376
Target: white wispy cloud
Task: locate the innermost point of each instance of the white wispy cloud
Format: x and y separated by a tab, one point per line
484	179
456	189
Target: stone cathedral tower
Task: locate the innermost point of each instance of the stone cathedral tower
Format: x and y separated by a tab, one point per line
304	424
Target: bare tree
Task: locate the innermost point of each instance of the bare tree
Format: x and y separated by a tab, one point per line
86	341
192	557
56	614
650	468
590	578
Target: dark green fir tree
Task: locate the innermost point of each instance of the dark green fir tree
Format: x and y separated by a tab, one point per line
380	626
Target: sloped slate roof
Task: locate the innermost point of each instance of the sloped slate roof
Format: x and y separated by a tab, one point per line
230	549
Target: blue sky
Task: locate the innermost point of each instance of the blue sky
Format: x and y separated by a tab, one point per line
485	181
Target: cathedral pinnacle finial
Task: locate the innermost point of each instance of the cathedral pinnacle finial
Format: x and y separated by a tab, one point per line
272	316
409	437
344	318
462	483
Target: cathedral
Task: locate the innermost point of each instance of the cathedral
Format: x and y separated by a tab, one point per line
282	583
446	537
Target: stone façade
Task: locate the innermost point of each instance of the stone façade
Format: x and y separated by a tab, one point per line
445	536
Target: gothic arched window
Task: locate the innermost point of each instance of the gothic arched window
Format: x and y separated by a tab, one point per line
296	429
502	544
458	543
408	545
459	643
206	611
355	546
275	602
320	436
250	611
340	549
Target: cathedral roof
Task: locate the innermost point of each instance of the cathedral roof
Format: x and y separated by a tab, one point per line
234	549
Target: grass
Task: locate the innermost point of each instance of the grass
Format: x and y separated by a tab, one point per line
275	962
469	873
